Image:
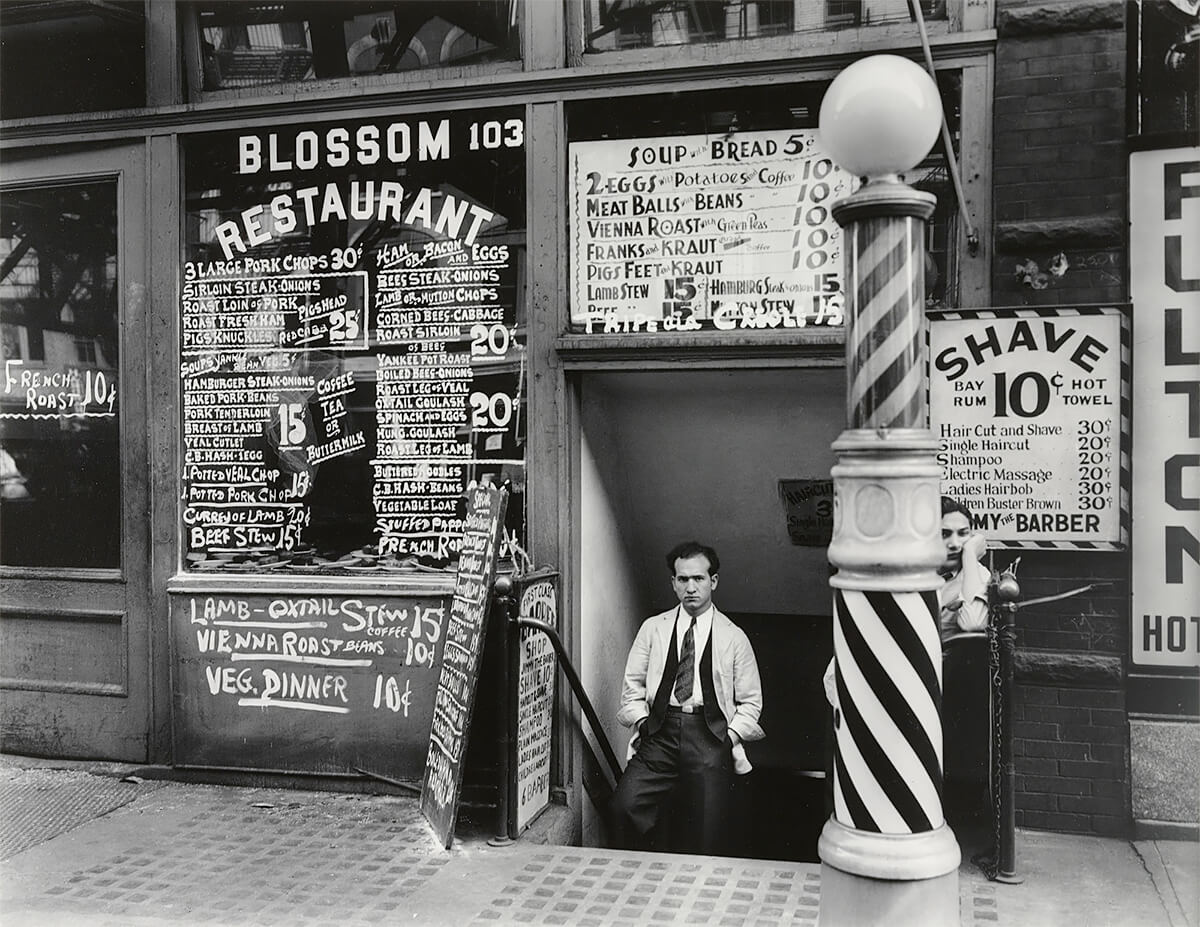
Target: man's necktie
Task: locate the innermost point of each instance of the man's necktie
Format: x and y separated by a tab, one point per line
687	665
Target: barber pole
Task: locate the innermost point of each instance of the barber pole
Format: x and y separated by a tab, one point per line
888	822
888	755
885	343
887	855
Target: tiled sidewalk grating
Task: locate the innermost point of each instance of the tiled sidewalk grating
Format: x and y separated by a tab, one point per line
316	861
595	889
598	889
38	805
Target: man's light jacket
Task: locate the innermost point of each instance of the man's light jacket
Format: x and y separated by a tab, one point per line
735	673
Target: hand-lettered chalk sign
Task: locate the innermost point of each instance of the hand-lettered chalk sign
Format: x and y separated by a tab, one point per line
536	670
302	683
454	700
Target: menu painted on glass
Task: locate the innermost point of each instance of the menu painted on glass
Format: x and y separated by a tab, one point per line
60	386
352	341
705	232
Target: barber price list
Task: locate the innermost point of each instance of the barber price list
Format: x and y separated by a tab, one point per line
1028	414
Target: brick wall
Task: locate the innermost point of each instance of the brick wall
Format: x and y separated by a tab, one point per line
1060	186
1070	736
1059	169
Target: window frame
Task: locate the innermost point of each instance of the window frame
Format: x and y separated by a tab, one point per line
962	16
194	68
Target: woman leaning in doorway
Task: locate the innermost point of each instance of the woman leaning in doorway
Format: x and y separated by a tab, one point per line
964	597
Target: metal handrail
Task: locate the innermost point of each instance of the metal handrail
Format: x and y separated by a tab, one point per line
564	661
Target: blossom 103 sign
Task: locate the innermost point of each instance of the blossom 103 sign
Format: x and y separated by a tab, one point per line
1032	410
698	232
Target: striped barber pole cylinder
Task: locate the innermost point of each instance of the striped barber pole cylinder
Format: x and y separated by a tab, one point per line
887	821
885	348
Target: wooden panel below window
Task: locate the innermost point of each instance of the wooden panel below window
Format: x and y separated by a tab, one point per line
80	652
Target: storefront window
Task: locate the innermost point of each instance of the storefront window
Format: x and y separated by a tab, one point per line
711	211
252	44
71	57
1165	42
60	486
617	24
352	341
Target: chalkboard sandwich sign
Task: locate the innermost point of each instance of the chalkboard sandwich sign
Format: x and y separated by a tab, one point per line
454	700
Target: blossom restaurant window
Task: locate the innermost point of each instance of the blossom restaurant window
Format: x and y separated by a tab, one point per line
612	25
254	44
59	411
711	212
352	340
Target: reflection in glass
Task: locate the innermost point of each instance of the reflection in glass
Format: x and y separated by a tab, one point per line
616	24
60	489
253	44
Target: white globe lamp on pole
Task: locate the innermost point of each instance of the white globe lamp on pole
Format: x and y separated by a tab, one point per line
887	855
880	117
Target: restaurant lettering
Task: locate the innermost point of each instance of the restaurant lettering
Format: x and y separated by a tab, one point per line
390	353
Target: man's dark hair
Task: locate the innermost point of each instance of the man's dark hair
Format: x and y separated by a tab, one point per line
950	504
693	549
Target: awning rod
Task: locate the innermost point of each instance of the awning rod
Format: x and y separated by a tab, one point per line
972	239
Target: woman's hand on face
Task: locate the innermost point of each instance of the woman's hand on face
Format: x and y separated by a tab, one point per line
975	547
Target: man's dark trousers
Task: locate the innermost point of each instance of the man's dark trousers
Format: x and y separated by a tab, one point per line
682	765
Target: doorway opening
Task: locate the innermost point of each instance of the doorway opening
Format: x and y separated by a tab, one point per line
667	456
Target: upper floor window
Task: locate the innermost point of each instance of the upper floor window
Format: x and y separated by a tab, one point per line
1164	41
71	56
618	24
253	44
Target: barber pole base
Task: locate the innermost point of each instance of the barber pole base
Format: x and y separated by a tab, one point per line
869	878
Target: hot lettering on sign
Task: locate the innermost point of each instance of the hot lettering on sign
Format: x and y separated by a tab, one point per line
1165	278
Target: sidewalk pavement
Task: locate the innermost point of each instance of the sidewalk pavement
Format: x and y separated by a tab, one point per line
101	846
